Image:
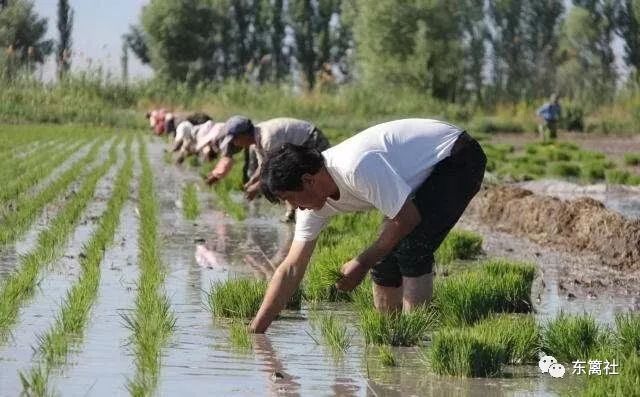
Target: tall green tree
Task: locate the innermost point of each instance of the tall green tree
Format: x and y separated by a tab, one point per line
628	23
510	69
410	43
277	23
475	34
542	36
22	33
124	61
65	27
179	39
587	69
302	18
137	42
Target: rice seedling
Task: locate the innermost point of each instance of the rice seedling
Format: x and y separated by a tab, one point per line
465	352
334	334
519	335
616	176
398	328
564	169
224	188
152	321
241	298
625	384
496	286
36	384
239	335
22	283
592	171
54	346
190	206
459	244
569	337
386	356
15	223
628	332
632	159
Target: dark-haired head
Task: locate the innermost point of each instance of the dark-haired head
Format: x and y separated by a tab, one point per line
290	173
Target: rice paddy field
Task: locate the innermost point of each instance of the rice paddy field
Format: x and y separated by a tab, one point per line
123	274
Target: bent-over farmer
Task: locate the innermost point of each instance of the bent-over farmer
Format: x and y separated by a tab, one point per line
263	138
420	173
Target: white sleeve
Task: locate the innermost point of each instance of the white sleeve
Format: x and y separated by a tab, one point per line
309	224
378	183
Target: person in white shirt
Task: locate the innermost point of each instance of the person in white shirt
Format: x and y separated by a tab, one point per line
420	173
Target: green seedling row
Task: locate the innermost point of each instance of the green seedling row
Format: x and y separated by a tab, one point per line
190	205
239	336
569	338
17	222
241	298
38	169
334	334
397	328
11	166
22	282
495	286
152	321
67	331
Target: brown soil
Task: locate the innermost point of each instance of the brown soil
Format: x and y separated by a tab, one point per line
579	225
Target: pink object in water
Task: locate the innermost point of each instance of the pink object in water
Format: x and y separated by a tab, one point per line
207	258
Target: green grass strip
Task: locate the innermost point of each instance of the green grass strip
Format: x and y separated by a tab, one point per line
152	321
70	324
22	283
334	334
11	165
38	169
17	222
190	206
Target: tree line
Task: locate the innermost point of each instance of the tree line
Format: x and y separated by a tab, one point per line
454	50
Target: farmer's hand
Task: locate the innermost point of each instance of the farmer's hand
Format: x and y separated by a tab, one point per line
212	179
252	191
353	272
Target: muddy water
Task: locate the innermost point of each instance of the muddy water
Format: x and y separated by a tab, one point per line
286	361
622	199
9	254
38	314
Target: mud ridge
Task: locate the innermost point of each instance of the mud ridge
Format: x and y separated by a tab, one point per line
583	224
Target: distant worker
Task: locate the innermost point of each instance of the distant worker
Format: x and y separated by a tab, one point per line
549	114
420	174
193	139
163	122
265	136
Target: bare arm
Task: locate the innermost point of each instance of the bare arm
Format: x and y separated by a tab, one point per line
283	284
393	230
222	168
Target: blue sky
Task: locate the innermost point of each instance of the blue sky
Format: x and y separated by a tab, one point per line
97	30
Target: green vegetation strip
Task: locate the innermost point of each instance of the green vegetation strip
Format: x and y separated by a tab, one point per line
556	159
37	169
241	298
334	334
68	329
152	321
22	282
12	165
190	206
15	223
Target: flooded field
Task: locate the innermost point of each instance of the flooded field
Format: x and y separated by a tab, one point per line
100	356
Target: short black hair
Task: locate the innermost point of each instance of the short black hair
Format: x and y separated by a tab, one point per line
284	167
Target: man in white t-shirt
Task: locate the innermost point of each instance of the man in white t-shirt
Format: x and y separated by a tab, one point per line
420	173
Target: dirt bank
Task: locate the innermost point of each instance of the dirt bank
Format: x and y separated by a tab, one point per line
578	225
